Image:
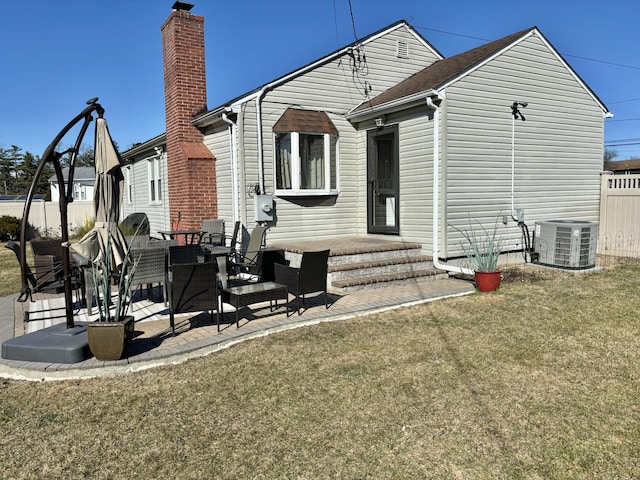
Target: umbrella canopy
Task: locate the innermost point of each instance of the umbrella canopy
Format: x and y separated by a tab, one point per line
107	197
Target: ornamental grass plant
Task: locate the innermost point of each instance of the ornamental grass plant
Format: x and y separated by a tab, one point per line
482	247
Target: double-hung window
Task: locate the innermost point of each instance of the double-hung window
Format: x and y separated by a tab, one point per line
306	154
155	180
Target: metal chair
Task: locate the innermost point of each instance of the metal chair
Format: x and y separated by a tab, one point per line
213	232
311	277
192	288
247	260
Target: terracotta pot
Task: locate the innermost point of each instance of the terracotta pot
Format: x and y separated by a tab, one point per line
109	340
487	281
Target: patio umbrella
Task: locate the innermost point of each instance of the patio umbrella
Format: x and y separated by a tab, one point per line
107	197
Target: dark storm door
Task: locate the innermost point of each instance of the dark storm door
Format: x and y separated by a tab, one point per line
383	192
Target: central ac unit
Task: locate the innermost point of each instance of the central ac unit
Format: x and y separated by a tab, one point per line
566	243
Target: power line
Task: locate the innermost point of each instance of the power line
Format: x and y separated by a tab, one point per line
624	120
353	22
624	101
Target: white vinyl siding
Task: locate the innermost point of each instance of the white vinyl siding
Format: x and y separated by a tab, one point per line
219	142
558	149
158	214
330	88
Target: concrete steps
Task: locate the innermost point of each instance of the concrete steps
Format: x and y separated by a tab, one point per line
358	263
348	273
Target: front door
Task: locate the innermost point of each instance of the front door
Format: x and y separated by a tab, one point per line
383	192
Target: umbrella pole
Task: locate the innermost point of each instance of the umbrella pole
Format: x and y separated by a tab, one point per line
66	263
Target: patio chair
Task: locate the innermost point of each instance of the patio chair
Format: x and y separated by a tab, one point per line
213	232
191	289
311	277
136	223
187	254
150	266
234	237
248	260
46	277
47	255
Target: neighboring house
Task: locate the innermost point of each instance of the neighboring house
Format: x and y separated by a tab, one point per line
623	167
355	142
83	180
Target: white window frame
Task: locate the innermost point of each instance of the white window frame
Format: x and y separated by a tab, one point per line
296	189
154	172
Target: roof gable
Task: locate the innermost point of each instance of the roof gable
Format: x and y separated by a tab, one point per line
216	112
443	72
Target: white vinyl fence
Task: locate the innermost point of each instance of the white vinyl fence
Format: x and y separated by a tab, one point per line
45	216
619	215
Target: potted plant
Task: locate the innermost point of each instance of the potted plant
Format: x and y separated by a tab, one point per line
113	331
483	249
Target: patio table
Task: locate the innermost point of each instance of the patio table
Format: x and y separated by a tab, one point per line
190	236
245	295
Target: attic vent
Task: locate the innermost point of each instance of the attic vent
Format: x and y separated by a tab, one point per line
402	49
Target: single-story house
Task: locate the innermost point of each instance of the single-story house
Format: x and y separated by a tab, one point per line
623	167
383	137
83	180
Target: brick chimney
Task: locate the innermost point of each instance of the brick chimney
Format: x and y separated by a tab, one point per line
191	169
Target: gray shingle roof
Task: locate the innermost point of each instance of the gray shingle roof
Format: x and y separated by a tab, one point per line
442	71
79	174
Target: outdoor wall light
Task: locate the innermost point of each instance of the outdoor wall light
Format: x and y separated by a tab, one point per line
515	111
380	121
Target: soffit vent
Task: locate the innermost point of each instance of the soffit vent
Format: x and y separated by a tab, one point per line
402	49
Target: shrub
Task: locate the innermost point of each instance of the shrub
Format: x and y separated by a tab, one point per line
9	228
81	230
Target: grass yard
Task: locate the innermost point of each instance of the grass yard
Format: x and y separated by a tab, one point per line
9	271
537	381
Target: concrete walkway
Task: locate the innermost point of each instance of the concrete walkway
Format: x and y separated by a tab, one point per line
154	345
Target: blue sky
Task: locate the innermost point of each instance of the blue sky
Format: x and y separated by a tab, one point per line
55	55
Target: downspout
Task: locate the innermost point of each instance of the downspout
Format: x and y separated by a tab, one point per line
233	145
436	194
259	98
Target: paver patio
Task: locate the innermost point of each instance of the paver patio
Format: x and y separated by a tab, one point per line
154	344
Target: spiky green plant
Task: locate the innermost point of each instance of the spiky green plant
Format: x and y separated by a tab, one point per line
103	273
482	247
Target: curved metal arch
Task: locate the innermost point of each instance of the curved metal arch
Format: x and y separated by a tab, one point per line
50	155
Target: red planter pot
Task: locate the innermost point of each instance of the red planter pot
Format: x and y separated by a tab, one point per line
487	281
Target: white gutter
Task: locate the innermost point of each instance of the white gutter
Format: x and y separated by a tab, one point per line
389	107
233	145
436	194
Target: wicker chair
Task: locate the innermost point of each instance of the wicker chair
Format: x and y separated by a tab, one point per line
187	254
47	259
150	266
47	276
213	232
311	277
191	289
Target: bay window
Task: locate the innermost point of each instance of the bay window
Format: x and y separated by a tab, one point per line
306	154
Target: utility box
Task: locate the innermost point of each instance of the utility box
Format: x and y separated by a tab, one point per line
263	208
567	244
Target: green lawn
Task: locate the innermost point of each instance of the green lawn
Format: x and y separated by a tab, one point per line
537	381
